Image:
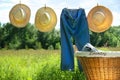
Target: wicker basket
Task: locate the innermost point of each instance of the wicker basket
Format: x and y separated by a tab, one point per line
100	65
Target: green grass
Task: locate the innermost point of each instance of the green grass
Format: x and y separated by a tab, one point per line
109	49
34	65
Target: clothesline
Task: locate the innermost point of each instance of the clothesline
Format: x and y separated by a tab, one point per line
66	4
58	5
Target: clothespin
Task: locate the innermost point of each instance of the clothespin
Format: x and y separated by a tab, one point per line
45	7
20	3
97	4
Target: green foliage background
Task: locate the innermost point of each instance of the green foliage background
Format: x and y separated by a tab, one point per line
109	38
29	37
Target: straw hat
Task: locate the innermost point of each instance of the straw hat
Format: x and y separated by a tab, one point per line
45	19
19	15
99	19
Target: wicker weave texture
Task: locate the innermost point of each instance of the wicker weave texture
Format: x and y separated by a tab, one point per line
101	68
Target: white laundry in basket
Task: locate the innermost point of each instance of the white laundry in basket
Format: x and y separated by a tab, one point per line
89	47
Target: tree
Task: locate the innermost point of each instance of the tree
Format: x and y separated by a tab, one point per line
108	38
49	38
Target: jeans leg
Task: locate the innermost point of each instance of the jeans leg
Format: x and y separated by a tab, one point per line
82	35
67	56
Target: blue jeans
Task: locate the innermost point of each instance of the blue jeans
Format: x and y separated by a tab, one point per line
73	24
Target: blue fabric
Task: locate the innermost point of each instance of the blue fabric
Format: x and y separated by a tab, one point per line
73	24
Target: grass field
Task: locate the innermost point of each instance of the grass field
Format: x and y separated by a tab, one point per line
36	65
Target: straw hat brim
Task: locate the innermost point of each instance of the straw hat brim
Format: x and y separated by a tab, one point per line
23	22
52	23
105	25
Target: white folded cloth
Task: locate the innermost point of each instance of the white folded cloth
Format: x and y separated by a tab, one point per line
89	47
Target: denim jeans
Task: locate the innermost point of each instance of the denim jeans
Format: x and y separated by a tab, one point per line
73	24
